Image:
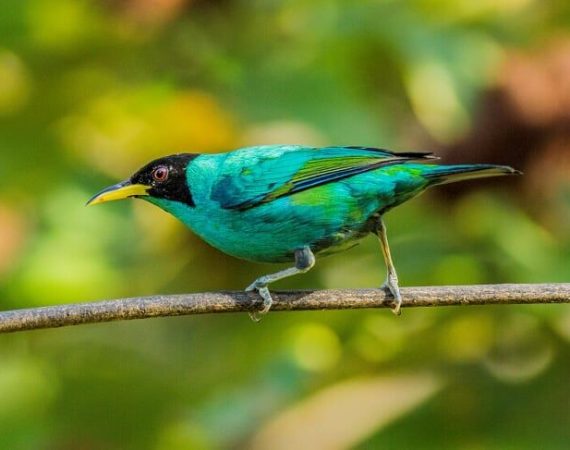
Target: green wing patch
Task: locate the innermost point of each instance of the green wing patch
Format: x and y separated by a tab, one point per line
298	171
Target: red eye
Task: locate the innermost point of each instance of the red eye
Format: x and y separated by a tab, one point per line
160	174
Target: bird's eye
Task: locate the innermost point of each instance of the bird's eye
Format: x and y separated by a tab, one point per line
160	174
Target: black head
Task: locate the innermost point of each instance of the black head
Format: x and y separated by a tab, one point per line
163	178
166	178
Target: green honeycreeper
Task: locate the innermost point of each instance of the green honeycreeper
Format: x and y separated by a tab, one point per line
283	203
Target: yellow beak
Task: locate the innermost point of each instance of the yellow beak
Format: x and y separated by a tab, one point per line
119	192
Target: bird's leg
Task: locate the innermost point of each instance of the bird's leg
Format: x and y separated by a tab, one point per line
392	277
304	261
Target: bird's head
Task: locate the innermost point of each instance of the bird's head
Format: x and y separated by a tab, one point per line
161	179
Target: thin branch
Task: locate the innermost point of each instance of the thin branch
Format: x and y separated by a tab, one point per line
218	302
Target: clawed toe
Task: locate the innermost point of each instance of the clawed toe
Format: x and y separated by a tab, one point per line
267	300
394	290
397	308
255	316
252	287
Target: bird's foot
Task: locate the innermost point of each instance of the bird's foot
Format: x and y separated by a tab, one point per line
391	284
261	287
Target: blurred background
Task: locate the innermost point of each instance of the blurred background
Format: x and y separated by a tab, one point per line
90	90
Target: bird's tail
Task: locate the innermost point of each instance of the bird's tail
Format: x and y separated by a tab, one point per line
450	174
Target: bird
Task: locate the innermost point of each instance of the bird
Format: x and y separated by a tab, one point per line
291	203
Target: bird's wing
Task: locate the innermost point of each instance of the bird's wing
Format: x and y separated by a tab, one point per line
262	174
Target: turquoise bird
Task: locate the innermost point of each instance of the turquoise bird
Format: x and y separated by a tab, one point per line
290	203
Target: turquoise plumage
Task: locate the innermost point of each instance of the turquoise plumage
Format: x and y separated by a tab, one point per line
282	203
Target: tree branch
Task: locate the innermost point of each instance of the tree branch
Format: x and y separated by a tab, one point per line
217	302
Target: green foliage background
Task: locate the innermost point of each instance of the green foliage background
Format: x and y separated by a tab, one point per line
90	90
